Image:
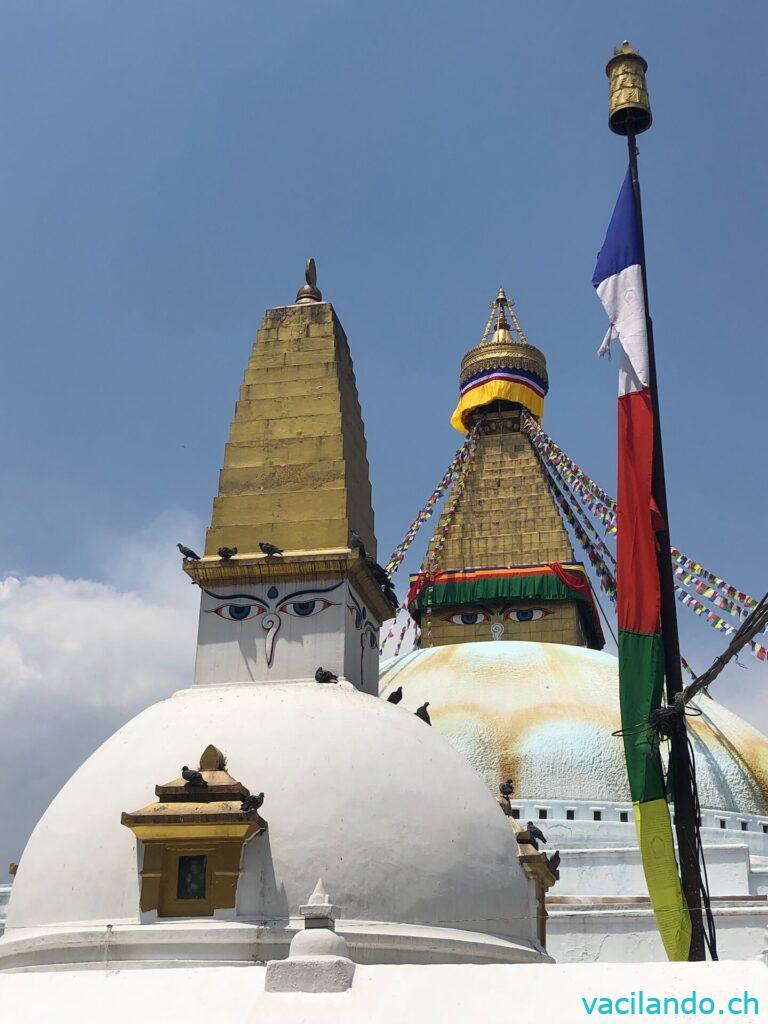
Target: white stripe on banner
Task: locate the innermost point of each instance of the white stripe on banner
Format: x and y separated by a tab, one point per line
622	296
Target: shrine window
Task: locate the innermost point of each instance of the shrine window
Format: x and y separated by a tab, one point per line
190	884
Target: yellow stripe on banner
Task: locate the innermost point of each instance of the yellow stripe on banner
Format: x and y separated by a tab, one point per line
657	850
485	393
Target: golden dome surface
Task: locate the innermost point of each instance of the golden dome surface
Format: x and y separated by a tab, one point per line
544	715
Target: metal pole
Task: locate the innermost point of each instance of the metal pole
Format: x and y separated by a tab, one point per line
680	770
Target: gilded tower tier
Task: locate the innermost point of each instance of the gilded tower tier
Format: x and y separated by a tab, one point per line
295	467
500	565
288	580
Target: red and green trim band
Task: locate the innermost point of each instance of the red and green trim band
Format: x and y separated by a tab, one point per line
554	581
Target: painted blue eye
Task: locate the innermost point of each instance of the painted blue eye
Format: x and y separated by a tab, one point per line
303	607
312	606
526	614
239	611
468	618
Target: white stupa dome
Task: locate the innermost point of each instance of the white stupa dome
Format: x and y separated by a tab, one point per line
404	833
544	715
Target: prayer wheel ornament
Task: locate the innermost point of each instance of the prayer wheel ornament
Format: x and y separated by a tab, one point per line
629	109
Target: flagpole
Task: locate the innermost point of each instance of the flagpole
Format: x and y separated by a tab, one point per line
630	115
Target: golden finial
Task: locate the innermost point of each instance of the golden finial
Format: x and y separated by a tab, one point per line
629	109
309	292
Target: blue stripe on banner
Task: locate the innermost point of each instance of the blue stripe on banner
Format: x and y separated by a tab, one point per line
517	376
621	248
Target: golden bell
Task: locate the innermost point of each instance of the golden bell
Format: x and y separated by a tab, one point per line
629	109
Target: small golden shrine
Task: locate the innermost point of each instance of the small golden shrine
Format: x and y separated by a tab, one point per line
192	839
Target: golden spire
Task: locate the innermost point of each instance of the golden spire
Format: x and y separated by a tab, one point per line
309	292
500	306
503	365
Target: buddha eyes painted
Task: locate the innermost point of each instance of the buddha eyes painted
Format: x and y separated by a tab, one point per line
508	615
243	612
271	611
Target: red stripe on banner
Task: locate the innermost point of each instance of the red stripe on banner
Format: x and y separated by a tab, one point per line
638	596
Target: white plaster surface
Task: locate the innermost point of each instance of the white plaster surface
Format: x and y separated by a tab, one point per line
5	895
620	934
404	834
443	994
607	871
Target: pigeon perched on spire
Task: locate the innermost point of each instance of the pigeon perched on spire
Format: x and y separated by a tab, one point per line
383	579
507	788
251	802
192	777
226	553
356	542
270	550
396	696
188	554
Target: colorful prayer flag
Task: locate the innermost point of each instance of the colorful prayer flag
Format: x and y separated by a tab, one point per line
619	283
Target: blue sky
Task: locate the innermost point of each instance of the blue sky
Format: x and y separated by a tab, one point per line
168	166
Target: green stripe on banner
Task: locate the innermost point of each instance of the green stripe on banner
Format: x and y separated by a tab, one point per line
641	679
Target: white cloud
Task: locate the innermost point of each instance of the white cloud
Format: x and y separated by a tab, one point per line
118	643
78	657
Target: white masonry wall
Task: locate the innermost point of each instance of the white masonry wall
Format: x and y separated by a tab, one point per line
271	633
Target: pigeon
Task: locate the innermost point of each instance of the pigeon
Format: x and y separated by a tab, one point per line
356	542
251	802
553	862
382	578
192	777
396	696
379	574
324	676
536	834
507	788
423	714
270	550
226	553
188	554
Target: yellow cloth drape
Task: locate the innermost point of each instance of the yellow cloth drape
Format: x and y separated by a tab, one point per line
510	391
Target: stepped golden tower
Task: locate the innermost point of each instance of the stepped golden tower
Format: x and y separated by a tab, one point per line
288	580
500	565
